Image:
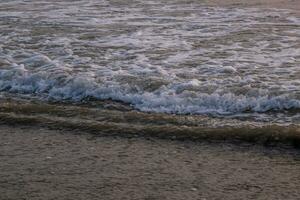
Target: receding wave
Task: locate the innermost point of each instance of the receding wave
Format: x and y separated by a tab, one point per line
110	118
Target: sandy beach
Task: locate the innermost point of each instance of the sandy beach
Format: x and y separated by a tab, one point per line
37	163
40	161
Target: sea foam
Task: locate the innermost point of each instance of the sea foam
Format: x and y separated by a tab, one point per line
171	57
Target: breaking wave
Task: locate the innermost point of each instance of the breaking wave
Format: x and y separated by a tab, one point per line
54	83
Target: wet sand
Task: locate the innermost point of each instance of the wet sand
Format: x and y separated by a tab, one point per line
37	163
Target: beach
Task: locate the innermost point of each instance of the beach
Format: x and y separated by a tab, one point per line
38	163
76	125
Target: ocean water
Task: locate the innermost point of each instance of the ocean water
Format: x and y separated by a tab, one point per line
148	61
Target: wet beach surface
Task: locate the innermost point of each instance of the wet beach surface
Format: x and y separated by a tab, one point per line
37	163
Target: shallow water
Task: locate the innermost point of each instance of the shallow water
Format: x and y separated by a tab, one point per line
213	63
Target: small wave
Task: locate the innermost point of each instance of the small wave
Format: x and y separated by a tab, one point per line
179	98
53	82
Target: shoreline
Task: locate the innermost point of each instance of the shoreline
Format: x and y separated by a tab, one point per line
101	120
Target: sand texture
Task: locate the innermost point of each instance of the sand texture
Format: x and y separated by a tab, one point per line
43	164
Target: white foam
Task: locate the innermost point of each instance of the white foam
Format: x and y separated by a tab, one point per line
170	57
